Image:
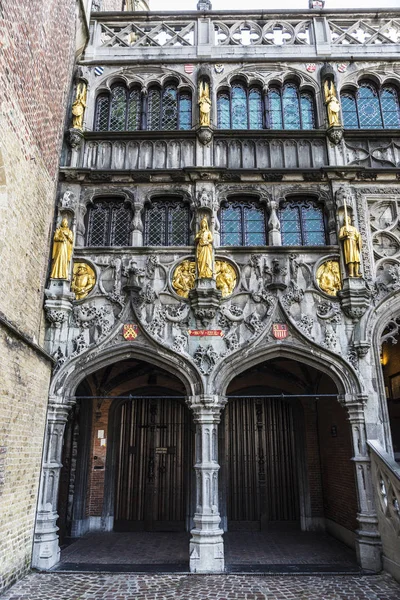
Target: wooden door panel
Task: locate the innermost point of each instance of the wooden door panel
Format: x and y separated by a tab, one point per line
261	463
151	491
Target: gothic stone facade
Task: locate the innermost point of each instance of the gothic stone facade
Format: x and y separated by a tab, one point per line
204	169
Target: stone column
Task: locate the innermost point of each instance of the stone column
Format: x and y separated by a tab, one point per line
137	225
46	549
368	543
206	545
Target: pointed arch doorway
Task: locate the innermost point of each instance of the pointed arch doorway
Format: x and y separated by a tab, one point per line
287	476
128	454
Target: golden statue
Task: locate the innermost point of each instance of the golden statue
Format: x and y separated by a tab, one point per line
328	277
184	278
79	105
204	251
332	104
62	251
83	280
204	104
225	277
352	244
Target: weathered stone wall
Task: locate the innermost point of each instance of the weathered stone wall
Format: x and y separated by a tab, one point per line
37	52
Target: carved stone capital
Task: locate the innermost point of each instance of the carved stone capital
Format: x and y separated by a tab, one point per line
205	300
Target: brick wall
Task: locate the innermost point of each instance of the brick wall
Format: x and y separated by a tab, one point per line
24	380
338	474
98	459
37	45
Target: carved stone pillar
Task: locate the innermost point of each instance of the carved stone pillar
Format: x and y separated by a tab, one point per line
137	225
274	226
206	545
46	549
368	543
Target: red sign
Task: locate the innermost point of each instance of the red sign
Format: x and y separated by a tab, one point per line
130	332
206	332
280	331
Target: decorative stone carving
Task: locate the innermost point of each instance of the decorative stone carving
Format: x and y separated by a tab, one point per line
184	278
75	139
276	274
355	298
205	359
55	317
335	135
294	295
306	325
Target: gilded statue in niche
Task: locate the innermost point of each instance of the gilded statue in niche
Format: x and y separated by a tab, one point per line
204	251
352	244
225	277
204	104
184	278
79	105
332	104
63	242
83	280
328	277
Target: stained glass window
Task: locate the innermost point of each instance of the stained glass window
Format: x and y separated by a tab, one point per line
302	223
167	223
118	109
371	108
121	109
288	108
185	111
242	108
243	224
239	107
169	108
255	109
134	110
224	111
109	223
102	110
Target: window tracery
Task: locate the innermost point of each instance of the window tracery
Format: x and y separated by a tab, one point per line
241	108
289	108
371	107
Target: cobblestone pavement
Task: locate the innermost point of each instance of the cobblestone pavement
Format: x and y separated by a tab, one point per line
55	586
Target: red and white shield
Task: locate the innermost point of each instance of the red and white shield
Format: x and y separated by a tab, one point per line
130	332
311	67
280	331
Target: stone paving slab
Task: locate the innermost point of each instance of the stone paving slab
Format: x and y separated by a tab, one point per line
56	586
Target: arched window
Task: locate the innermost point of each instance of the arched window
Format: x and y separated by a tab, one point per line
118	111
288	108
371	107
169	109
302	223
109	222
243	224
167	223
241	108
121	109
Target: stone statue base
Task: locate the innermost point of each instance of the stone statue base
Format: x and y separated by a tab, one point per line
354	297
205	300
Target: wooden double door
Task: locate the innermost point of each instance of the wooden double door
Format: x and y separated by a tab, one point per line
154	461
260	464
